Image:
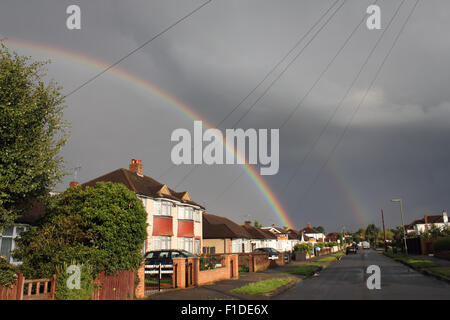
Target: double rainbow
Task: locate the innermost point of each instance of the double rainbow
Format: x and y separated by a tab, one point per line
269	196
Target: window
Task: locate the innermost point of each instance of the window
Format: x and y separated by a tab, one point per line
161	242
8	243
186	213
144	202
185	244
197	215
163	208
197	246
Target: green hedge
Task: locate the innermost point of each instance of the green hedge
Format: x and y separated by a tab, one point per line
442	244
63	292
7	273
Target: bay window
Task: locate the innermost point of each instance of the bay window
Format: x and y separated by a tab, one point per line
185	244
162	242
163	208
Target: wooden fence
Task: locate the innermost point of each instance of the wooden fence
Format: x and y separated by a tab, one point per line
29	289
120	286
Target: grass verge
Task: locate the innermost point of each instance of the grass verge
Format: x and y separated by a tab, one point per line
422	265
305	270
443	271
262	287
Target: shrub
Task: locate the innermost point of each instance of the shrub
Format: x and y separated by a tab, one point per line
8	273
63	292
207	263
442	244
306	247
104	226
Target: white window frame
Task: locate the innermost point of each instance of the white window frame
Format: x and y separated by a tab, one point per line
162	242
163	208
196	215
15	235
185	243
185	212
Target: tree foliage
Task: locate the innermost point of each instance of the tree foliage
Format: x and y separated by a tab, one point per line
32	132
257	224
103	226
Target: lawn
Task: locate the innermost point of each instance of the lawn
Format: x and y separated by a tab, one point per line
326	259
305	270
444	271
416	263
262	287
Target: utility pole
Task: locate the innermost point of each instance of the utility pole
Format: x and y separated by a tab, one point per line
384	230
403	222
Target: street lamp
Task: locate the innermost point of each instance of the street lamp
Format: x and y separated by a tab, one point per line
403	223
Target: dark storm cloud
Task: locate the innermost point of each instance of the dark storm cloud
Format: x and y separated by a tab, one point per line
397	144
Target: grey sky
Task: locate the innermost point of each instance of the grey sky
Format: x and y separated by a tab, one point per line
396	146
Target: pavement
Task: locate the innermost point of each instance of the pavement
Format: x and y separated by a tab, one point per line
346	280
221	289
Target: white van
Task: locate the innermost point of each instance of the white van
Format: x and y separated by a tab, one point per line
366	245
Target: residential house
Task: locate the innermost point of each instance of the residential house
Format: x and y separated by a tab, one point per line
174	219
286	238
421	225
9	235
221	235
332	237
312	233
260	238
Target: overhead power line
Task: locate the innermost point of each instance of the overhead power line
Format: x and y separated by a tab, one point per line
258	85
362	100
279	75
156	36
308	92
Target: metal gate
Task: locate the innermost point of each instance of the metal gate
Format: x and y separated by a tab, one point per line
158	276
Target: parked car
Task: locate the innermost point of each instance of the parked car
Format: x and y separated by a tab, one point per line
165	256
365	245
273	254
352	249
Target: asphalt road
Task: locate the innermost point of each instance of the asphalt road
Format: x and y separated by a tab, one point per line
347	278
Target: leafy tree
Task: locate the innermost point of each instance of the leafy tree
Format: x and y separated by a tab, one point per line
257	224
320	229
32	133
103	226
371	233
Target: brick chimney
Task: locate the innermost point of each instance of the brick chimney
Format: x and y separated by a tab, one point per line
248	223
136	166
308	225
426	223
73	184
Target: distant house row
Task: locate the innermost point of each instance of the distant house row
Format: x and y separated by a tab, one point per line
175	221
221	235
420	226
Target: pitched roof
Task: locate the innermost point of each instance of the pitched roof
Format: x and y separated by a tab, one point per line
216	227
143	185
258	233
269	235
430	219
